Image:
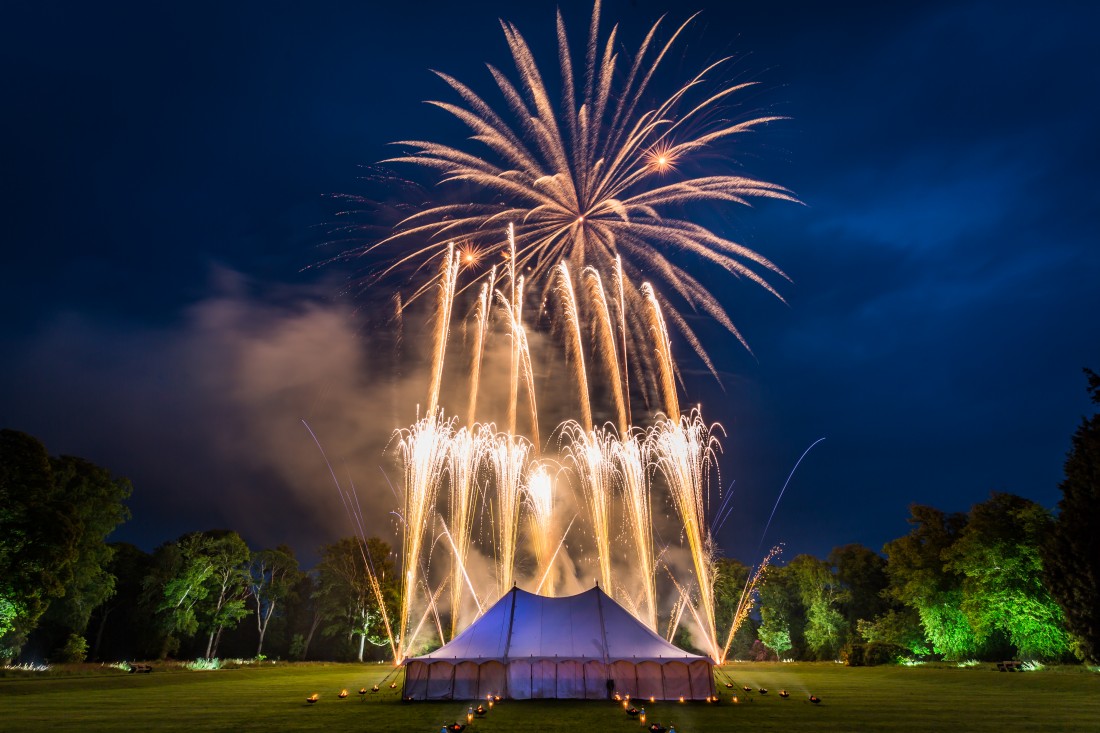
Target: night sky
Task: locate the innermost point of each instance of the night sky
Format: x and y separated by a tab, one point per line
169	172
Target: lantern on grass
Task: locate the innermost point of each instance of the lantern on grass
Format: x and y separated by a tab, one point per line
469	715
374	689
393	685
362	693
342	694
681	698
641	716
784	694
815	699
313	698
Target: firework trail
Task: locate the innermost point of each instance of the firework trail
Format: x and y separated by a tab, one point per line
592	454
506	455
573	341
539	499
629	458
448	281
463	454
423	449
749	596
684	451
606	346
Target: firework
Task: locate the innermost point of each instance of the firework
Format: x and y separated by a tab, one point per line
599	181
506	455
423	450
539	499
684	451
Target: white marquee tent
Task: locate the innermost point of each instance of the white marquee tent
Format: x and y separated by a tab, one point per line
530	646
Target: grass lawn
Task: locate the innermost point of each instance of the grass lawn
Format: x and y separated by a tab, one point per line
272	698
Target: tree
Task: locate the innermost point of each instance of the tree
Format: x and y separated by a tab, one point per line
861	574
730	587
38	538
273	575
96	500
224	604
177	583
782	616
1072	551
201	581
819	594
345	596
123	624
997	554
919	580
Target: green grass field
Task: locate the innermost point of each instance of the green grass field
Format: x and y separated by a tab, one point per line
272	698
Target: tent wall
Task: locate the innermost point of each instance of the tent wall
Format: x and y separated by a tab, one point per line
702	679
519	680
676	680
441	677
626	678
491	679
416	680
522	679
570	680
649	681
595	681
467	675
544	679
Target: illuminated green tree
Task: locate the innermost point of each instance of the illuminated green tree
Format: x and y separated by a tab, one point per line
819	594
729	587
344	594
224	604
782	616
1072	552
919	580
998	556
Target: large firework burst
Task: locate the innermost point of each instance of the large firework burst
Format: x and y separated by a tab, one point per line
596	180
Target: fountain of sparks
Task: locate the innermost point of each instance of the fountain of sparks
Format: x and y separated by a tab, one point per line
589	193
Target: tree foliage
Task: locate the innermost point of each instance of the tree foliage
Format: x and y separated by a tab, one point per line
919	580
344	595
819	594
782	615
273	575
998	556
55	515
1072	551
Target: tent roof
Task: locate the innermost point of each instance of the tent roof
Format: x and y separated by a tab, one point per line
587	626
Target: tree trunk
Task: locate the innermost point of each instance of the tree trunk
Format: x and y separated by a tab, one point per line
99	632
309	637
210	644
362	643
217	640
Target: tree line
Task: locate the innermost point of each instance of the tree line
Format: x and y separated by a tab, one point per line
1008	579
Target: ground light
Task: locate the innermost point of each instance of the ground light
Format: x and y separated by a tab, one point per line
342	694
815	699
313	698
784	694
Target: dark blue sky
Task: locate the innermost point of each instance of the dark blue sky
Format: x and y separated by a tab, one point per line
167	172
